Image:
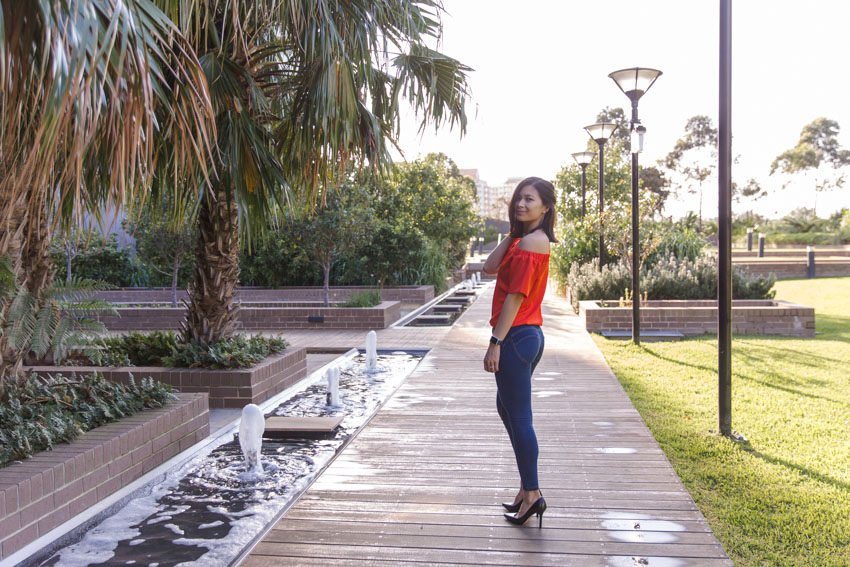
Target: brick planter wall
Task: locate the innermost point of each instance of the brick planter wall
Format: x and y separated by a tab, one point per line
786	269
406	294
233	388
38	494
264	318
697	317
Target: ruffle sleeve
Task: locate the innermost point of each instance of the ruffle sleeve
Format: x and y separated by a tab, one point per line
521	270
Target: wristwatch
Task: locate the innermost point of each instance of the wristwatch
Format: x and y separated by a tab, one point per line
495	341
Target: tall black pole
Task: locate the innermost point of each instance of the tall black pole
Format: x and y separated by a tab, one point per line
601	201
583	181
724	225
635	235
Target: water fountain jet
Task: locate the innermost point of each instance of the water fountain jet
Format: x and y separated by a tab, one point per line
332	377
251	429
371	352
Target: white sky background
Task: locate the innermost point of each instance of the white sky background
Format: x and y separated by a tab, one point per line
541	75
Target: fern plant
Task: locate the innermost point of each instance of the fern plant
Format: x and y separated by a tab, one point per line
60	319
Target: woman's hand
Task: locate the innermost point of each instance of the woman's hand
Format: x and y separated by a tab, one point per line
491	359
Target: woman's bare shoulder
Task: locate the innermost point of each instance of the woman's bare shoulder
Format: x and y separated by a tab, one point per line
536	241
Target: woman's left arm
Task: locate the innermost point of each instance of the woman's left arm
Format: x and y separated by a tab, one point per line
506	319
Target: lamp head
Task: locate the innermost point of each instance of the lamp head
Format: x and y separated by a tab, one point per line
635	81
601	131
584	158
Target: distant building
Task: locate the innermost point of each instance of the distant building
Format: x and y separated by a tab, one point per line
492	200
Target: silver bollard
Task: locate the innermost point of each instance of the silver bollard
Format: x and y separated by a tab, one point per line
749	239
761	245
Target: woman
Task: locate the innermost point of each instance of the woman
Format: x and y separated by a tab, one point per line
522	264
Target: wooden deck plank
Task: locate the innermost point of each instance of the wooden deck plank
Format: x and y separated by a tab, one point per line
421	484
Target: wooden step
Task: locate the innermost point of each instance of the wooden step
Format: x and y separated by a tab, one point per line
301	426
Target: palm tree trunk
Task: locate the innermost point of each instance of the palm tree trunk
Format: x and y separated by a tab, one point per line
37	265
211	309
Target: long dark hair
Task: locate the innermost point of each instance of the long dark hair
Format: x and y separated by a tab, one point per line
547	194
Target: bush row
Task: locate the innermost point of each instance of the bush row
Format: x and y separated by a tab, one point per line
669	278
164	348
40	412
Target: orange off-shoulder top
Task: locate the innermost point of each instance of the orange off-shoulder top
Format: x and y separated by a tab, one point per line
525	272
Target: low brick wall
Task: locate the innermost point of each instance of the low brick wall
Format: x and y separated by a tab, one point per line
38	494
791	254
787	269
697	317
233	388
406	294
263	318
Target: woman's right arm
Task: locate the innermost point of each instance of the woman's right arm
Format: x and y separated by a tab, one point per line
494	260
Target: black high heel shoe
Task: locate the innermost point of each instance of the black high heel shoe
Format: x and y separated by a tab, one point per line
537	508
513	508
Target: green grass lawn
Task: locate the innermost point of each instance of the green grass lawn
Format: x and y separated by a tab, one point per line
783	498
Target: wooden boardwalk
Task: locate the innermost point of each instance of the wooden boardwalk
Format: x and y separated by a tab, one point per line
422	483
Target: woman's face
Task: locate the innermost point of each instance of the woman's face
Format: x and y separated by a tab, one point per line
528	206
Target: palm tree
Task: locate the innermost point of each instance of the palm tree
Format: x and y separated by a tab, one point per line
302	90
89	89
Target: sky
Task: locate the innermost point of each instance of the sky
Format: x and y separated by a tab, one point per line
541	74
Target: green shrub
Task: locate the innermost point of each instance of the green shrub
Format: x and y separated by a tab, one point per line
681	242
136	349
807	238
434	267
163	348
41	412
577	244
587	282
671	278
368	298
239	351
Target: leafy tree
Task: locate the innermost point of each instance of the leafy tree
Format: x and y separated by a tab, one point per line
653	180
69	244
277	261
328	233
164	248
694	156
431	195
103	260
818	145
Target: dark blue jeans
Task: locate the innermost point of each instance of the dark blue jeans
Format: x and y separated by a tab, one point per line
519	356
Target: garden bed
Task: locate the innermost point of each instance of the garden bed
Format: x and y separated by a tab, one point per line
231	388
41	492
298	316
698	317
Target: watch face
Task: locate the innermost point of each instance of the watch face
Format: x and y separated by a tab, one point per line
494	341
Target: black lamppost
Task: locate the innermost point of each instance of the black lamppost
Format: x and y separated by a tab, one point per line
600	132
583	159
724	225
634	82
